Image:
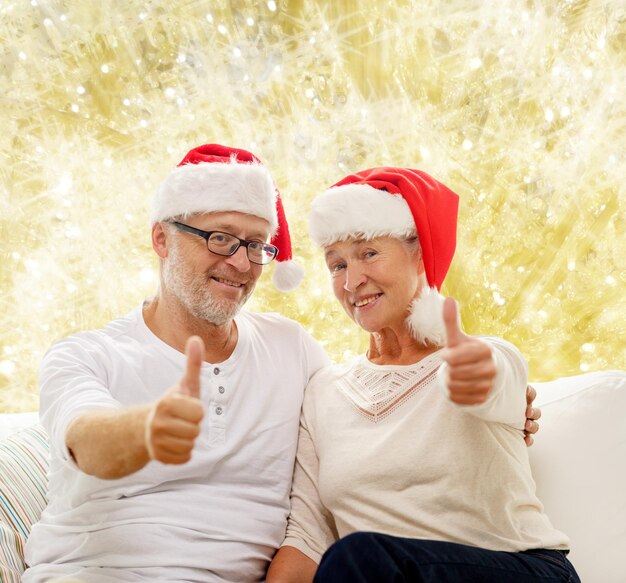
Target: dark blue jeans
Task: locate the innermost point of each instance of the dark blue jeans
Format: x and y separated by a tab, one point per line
367	557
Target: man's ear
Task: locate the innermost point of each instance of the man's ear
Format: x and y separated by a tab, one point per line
159	240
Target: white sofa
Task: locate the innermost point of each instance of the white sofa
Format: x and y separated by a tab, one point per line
578	460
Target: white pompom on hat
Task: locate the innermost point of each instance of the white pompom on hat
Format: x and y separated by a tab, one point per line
215	178
396	202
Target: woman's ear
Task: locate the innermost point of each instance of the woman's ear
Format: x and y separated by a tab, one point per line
420	265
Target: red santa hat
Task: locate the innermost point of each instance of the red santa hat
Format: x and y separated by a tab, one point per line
214	178
397	202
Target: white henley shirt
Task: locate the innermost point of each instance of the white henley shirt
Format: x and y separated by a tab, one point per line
221	516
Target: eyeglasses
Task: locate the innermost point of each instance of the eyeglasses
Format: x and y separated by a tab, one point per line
226	244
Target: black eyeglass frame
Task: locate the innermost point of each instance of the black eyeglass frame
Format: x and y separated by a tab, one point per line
206	235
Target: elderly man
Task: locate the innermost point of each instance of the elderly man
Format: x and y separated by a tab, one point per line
173	430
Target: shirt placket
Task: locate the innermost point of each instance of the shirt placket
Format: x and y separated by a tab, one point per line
218	407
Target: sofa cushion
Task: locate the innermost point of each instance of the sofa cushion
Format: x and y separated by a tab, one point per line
579	465
23	468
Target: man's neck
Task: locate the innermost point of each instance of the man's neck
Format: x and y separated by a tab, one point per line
174	325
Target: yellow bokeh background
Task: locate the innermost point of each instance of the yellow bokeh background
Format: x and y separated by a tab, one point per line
517	105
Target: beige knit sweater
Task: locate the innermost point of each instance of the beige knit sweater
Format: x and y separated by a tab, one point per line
383	449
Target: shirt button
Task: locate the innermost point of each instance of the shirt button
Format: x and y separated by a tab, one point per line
218	411
216	370
221	390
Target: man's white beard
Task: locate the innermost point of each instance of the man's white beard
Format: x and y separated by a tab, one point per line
191	290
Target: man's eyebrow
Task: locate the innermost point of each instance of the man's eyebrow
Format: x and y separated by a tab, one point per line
226	227
230	229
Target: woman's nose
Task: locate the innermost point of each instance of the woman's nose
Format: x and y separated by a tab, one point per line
354	278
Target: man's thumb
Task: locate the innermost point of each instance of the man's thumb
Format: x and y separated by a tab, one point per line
454	334
190	383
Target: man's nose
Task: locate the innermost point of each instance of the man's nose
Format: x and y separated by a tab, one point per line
239	259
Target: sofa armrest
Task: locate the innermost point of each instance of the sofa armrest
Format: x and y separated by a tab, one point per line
13	422
579	465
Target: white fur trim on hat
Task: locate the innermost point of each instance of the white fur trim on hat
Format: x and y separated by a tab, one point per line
209	187
287	275
358	210
426	318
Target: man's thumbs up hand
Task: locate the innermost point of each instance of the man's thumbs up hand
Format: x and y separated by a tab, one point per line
174	421
471	368
190	383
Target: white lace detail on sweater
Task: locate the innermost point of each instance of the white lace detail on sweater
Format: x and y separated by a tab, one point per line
376	393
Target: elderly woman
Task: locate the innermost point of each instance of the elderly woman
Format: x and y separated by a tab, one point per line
411	456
